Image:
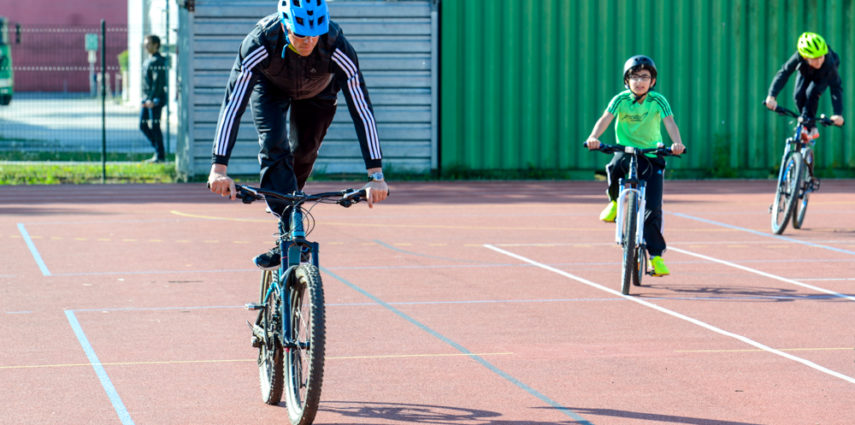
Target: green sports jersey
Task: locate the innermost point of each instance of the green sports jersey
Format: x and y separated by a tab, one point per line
639	125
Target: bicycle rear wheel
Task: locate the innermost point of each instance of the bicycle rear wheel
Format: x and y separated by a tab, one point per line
787	192
640	264
270	368
801	205
630	251
305	357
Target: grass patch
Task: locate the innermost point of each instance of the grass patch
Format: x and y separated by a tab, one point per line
19	173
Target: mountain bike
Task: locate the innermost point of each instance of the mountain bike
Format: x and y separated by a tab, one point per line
796	180
629	221
290	330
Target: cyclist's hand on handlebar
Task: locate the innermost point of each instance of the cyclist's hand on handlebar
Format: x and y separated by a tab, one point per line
771	103
376	191
220	183
592	143
837	120
677	148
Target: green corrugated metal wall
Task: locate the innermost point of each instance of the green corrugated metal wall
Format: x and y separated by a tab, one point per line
524	81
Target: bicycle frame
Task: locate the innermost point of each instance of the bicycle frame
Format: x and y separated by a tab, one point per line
290	242
631	186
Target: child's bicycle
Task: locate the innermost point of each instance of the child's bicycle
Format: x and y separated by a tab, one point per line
629	221
289	331
795	177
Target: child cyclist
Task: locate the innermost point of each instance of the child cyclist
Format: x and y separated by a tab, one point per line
817	66
639	111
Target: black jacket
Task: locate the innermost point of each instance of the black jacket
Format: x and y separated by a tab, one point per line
827	73
154	79
332	66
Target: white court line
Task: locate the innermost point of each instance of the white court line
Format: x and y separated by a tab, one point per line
762	273
680	316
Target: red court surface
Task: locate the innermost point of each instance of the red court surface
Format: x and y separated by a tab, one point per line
487	303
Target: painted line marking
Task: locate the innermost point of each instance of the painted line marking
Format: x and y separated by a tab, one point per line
112	394
33	250
767	235
762	273
178	362
680	316
519	384
760	351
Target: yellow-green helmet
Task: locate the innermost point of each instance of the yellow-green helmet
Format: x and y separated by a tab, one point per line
811	45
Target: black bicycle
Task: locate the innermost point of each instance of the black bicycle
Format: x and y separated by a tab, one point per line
796	180
629	221
290	330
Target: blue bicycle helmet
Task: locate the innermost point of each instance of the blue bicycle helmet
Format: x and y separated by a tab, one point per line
307	18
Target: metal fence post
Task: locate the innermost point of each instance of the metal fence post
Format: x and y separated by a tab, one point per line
103	101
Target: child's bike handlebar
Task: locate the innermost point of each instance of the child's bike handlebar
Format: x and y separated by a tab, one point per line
822	119
659	150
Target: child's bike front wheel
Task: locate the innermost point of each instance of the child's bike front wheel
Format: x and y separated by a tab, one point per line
787	193
304	356
630	248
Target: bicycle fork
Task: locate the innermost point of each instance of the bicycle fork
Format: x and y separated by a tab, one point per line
622	201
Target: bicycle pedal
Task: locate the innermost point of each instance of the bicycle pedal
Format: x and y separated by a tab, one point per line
254	306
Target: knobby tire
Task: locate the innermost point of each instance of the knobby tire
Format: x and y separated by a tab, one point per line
270	367
786	194
804	196
305	361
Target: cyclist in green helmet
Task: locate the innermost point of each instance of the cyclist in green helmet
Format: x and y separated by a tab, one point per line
817	65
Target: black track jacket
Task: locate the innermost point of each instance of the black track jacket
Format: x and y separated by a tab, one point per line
331	67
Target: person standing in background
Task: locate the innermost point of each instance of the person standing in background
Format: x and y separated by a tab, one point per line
154	96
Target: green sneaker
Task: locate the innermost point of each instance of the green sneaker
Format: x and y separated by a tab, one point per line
609	212
659	267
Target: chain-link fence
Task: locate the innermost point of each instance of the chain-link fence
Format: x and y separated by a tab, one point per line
55	109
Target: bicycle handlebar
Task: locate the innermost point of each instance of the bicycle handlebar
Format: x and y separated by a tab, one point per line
346	198
822	119
659	150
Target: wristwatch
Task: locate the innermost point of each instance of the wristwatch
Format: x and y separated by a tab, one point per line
378	176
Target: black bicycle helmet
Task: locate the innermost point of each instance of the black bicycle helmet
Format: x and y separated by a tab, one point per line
634	64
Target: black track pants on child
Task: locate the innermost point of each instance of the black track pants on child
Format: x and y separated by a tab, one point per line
287	160
651	170
806	94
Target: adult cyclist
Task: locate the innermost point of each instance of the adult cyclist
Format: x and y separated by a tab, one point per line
296	59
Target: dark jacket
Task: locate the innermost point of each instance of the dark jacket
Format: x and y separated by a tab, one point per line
154	79
332	66
827	74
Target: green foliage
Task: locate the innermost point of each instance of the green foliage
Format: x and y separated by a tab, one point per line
123	61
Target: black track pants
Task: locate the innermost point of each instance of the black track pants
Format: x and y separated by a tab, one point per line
651	170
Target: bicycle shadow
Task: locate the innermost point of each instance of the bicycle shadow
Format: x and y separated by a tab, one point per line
651	417
419	413
735	294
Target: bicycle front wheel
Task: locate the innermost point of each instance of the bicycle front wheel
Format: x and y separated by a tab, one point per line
630	248
270	367
801	205
305	355
787	193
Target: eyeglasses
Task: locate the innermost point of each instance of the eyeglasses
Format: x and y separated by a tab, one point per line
640	77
